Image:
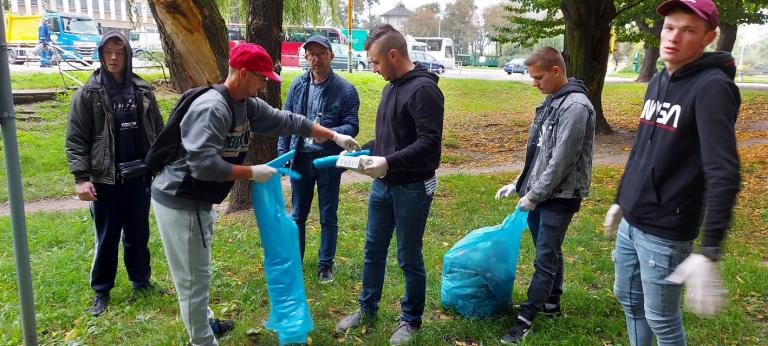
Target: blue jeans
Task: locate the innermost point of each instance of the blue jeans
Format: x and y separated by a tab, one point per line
302	192
404	209
548	231
651	304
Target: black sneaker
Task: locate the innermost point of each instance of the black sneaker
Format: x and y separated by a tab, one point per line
100	302
551	310
325	275
221	327
149	288
517	333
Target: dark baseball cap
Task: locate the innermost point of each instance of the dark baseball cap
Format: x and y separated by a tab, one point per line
321	40
705	9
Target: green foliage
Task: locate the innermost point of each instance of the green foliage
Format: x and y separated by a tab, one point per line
531	21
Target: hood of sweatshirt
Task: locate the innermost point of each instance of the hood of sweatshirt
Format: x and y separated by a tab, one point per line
719	60
418	71
128	72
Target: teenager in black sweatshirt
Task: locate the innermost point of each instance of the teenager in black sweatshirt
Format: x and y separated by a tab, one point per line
406	153
683	172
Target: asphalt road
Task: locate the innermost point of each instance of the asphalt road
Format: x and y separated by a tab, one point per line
468	73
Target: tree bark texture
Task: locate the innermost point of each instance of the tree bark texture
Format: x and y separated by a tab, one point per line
265	22
648	67
727	37
194	38
586	47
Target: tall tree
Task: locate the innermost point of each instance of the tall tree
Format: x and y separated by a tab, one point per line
493	19
738	12
587	29
194	39
265	22
423	21
459	24
358	10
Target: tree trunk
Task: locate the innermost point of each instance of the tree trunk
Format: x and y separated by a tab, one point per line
194	38
727	37
265	22
648	68
586	46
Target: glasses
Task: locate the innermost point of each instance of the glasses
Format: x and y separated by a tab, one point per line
259	77
321	54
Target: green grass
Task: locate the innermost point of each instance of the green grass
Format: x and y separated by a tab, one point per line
47	80
61	251
752	79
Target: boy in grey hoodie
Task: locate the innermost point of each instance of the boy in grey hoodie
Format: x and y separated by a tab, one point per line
555	178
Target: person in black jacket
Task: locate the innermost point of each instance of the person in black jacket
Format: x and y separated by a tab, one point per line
683	169
405	155
113	119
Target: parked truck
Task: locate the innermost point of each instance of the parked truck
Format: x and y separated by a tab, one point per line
76	34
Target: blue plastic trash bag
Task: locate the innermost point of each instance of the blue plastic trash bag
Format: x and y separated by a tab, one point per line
330	161
289	314
479	270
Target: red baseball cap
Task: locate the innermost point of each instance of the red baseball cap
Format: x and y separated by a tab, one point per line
705	9
254	58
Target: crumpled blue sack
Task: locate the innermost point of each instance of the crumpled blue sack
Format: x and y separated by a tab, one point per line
289	314
479	270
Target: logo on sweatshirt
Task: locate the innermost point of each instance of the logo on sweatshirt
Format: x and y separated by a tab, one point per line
663	115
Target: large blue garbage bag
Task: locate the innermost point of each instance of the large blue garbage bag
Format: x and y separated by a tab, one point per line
479	270
289	314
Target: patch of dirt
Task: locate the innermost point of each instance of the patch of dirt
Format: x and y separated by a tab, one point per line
610	149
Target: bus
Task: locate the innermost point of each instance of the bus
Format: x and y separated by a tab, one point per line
441	48
295	36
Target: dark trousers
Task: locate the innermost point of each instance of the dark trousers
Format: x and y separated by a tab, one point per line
548	231
402	210
302	193
121	209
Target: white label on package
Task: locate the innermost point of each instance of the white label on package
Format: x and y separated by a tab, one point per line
352	162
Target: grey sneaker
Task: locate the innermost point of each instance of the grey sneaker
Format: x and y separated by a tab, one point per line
324	275
403	333
355	319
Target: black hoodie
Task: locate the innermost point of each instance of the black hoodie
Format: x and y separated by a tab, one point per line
409	127
684	165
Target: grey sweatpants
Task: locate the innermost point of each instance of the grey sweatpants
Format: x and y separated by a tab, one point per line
190	265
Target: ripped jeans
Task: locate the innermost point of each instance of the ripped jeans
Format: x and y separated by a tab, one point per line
651	304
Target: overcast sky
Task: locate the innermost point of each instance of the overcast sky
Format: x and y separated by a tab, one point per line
386	5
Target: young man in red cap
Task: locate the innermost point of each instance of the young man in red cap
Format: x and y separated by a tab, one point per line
685	141
214	133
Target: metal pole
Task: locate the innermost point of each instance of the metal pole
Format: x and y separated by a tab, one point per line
15	197
349	36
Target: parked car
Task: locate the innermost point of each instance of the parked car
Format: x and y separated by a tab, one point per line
340	58
515	66
428	61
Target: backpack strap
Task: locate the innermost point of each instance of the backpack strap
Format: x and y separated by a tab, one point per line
230	103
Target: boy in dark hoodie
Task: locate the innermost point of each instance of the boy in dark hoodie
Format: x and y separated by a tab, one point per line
555	178
406	153
683	168
113	119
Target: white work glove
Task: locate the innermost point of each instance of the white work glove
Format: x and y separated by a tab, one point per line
374	166
704	293
262	173
612	221
346	142
505	191
526	204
